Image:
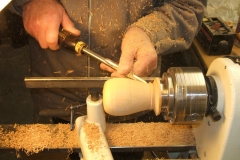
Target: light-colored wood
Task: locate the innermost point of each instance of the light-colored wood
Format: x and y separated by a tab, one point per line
123	96
92	140
32	138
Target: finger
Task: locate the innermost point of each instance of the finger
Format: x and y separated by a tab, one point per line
41	38
126	62
106	68
116	74
52	36
69	25
144	66
139	69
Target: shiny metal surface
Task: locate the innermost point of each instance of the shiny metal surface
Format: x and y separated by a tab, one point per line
153	148
69	82
64	82
183	92
110	63
185	95
167	93
177	148
77	82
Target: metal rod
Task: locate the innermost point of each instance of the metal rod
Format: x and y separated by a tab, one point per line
94	55
69	82
111	64
121	149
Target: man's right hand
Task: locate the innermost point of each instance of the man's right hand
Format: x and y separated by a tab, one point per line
42	20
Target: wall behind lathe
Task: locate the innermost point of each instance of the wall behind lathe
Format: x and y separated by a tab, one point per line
228	10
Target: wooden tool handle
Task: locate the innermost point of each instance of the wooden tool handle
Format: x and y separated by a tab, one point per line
123	96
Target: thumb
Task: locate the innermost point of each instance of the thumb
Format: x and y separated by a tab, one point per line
126	63
69	25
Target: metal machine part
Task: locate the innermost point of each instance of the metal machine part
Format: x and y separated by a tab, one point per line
212	98
219	89
220	140
71	42
181	96
184	95
75	82
69	82
72	119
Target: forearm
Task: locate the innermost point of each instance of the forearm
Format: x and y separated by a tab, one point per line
173	27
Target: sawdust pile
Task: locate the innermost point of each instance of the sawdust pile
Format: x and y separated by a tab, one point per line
149	134
36	137
93	135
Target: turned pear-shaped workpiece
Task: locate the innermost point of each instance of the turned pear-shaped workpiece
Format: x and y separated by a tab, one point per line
123	96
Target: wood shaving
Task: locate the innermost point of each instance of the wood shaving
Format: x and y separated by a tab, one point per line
37	137
149	134
93	135
69	71
57	72
33	138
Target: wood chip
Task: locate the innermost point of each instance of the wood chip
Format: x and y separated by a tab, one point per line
93	135
33	138
149	134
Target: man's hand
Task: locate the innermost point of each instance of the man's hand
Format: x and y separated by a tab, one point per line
42	20
138	54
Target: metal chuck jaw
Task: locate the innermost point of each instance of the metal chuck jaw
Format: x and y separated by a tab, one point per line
188	96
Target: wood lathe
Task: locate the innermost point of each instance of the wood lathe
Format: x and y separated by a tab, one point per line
185	96
204	107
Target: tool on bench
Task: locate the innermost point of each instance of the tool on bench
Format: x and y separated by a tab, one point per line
72	42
